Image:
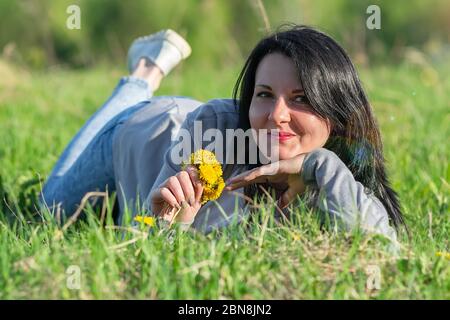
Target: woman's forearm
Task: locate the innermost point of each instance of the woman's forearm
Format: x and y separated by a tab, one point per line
341	196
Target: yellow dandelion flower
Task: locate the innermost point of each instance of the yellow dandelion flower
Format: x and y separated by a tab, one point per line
296	236
150	221
210	173
220	186
446	255
203	157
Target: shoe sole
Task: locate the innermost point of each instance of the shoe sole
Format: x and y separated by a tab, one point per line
171	36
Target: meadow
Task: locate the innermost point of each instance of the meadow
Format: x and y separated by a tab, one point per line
41	110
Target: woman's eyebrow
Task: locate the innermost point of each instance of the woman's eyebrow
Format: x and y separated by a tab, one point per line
270	88
264	86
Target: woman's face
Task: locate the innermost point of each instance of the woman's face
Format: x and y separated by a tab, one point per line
279	102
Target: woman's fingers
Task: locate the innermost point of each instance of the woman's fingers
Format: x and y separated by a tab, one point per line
181	187
273	172
182	191
168	213
173	184
244	176
245	181
187	186
198	186
168	197
192	171
252	176
256	175
198	192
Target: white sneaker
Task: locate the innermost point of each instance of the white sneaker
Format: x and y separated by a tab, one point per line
165	49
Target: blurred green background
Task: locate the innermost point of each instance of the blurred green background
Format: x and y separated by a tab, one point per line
34	33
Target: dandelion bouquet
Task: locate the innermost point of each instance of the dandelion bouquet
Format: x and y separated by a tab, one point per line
210	175
209	172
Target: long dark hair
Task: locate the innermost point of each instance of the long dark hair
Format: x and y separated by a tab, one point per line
332	86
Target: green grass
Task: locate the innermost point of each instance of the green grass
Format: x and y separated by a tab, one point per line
257	260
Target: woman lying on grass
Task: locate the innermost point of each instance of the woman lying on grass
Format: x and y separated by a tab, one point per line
298	86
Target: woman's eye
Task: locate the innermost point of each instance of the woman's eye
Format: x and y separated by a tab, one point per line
301	99
264	94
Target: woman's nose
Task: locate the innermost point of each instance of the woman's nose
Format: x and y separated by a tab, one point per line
280	111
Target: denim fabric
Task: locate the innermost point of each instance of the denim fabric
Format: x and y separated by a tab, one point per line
86	164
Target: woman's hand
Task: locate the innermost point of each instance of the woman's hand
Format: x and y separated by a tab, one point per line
182	191
280	172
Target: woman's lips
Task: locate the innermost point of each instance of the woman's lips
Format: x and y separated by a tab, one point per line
281	136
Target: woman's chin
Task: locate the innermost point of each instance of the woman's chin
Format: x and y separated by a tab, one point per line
283	153
288	154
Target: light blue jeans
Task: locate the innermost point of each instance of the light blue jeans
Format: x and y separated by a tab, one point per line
86	164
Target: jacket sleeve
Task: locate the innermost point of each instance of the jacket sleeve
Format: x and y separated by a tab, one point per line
172	162
344	199
214	114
